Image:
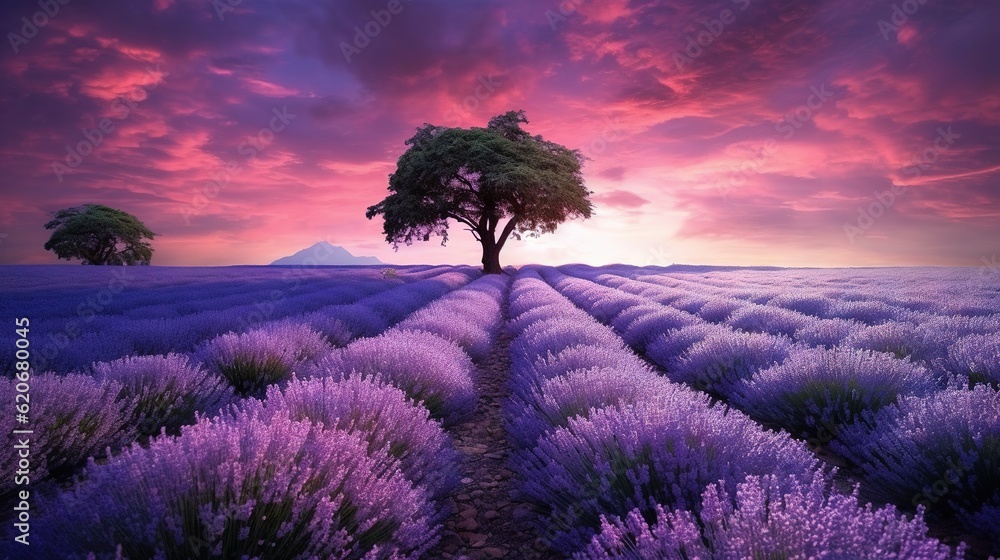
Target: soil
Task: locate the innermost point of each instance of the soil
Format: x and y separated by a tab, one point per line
487	520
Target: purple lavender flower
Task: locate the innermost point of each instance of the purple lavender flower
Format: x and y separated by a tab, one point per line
976	356
769	518
641	328
253	360
619	459
243	487
540	312
723	359
584	356
768	319
561	332
806	304
426	367
384	418
941	451
168	390
667	349
73	417
816	391
468	316
578	394
894	337
826	333
867	312
718	310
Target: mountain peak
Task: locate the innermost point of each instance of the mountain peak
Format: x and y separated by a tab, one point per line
324	253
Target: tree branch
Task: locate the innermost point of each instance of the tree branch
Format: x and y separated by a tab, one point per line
458	218
507	229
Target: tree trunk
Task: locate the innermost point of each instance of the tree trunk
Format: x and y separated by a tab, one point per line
491	256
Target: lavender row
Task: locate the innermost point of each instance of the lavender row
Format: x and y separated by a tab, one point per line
112	404
863	295
946	345
429	354
602	437
109	406
469	316
137	397
855	402
338	322
151	291
321	469
408	463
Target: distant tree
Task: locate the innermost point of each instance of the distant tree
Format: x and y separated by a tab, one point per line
478	177
98	234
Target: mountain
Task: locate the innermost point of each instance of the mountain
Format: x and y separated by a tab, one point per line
323	253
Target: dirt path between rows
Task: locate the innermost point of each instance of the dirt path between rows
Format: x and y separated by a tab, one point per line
487	521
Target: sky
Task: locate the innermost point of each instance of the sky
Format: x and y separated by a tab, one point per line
735	132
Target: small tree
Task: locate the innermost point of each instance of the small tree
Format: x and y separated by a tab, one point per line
98	234
478	177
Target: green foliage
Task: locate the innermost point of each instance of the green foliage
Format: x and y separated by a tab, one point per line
98	234
478	177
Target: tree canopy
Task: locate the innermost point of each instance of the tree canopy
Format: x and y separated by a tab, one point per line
99	234
479	177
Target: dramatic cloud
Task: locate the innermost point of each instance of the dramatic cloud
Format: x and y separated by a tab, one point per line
729	131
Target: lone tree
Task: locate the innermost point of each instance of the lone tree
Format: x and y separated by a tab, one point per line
478	177
98	234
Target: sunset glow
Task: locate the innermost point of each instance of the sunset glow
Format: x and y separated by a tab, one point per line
737	132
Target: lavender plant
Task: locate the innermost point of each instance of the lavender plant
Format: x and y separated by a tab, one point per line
826	333
167	390
717	310
768	517
578	394
619	459
941	451
253	360
73	417
818	389
585	356
768	319
894	337
642	329
382	415
560	332
242	487
428	368
723	359
867	312
667	349
469	316
806	304
976	356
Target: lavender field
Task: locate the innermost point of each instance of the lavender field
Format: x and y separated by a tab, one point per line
550	412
